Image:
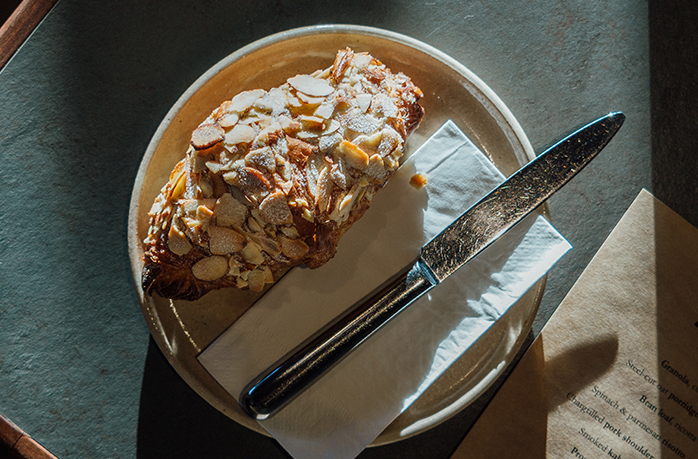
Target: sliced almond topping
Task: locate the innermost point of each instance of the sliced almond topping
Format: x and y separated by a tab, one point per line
343	208
384	106
245	99
223	109
233	267
229	211
177	242
284	185
309	100
249	180
307	214
224	240
312	122
268	275
203	213
341	63
252	254
228	120
290	231
214	166
389	141
324	190
274	209
332	127
299	150
267	244
390	163
293	248
311	86
254	225
240	133
294	101
363	123
355	156
369	143
261	157
255	280
325	110
376	168
364	101
289	125
179	185
210	268
338	174
205	188
206	136
309	135
274	101
327	142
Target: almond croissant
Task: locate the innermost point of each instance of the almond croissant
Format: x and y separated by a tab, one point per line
272	179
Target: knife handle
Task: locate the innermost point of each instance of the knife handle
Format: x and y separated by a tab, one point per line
286	379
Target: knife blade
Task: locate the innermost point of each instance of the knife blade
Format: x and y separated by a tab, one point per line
467	236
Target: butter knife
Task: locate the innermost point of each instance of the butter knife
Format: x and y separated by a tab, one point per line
470	234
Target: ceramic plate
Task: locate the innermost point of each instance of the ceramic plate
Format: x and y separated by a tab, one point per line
183	329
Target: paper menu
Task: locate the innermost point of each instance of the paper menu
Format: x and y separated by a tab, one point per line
615	371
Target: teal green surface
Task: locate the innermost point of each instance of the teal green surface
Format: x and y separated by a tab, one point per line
79	103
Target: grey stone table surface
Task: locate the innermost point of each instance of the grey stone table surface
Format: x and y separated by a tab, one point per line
82	97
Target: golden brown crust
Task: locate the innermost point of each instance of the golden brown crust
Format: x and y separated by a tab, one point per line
274	178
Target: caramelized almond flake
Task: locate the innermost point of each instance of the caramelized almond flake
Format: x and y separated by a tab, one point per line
249	180
325	110
307	214
245	99
312	122
309	100
254	225
252	254
274	209
224	240
179	186
210	268
289	125
293	248
376	168
268	275
261	157
338	175
240	133
363	123
310	85
228	120
214	166
229	211
203	213
324	190
255	280
207	135
267	244
363	102
177	242
354	156
290	231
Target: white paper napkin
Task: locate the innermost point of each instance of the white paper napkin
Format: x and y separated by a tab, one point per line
347	408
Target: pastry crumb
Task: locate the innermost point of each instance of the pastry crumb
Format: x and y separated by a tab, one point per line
418	181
